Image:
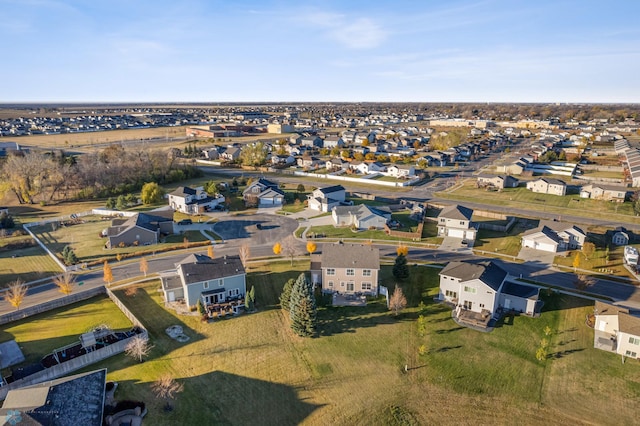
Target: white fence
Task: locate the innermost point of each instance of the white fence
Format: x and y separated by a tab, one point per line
368	181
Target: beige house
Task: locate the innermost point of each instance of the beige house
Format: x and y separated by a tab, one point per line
547	186
604	192
346	268
616	330
455	221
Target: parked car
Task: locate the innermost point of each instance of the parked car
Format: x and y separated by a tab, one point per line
185	222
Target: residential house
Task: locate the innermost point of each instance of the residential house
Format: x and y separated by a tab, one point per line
333	142
230	154
498	182
604	192
73	400
311	142
336	164
263	193
547	186
620	237
140	229
325	199
485	288
282	159
193	200
347	268
361	216
631	255
199	277
554	237
617	330
211	153
377	167
310	163
401	171
455	221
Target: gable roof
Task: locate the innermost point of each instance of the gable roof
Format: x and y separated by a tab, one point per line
521	290
182	191
602	308
330	189
143	220
341	255
550	181
204	268
629	324
487	271
456	212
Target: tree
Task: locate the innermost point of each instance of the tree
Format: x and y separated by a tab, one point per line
107	274
588	249
402	249
311	247
400	268
68	256
300	187
576	261
250	299
144	266
121	202
582	281
201	310
151	193
289	248
15	293
210	252
397	301
245	254
166	388
138	347
541	353
302	308
185	242
277	249
111	203
253	154
65	283
285	296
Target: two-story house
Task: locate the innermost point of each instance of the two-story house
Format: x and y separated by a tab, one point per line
547	186
193	200
347	268
617	330
455	221
604	192
198	277
140	229
263	193
324	199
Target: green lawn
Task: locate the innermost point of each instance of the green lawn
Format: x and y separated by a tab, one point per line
251	367
525	199
39	335
29	264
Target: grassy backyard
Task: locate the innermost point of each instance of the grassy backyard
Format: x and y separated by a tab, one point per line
251	367
39	335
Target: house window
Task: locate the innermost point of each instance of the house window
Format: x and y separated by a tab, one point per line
351	272
220	283
442	220
206	284
366	272
470	290
341	283
330	284
461	222
366	286
331	271
634	340
482	305
451	294
631	354
233	292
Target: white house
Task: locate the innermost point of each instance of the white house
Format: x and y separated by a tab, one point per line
362	216
193	200
547	186
616	330
401	171
554	237
455	221
630	255
484	288
604	192
325	199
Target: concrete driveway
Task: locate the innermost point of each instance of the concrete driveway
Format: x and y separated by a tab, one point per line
538	256
455	245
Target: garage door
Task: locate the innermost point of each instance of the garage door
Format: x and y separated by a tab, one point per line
456	233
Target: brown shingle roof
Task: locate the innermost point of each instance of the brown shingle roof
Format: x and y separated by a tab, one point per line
350	256
629	324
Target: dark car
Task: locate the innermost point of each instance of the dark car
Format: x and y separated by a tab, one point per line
185	222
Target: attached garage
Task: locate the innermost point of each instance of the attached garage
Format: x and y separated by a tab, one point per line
543	244
457	233
520	298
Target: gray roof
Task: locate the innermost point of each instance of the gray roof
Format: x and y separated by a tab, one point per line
456	212
350	256
183	190
73	400
521	290
363	210
330	189
488	272
198	268
143	220
550	181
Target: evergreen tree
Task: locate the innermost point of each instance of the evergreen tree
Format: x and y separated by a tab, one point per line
302	308
285	296
111	203
250	299
400	268
71	258
200	307
121	203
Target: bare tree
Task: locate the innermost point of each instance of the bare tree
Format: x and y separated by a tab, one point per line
245	254
65	282
397	302
289	248
582	281
144	266
166	388
138	347
15	293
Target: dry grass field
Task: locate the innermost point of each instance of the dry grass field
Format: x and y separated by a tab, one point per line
252	370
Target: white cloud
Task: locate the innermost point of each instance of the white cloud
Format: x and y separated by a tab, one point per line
350	32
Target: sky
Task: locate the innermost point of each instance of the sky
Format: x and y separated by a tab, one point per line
320	51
